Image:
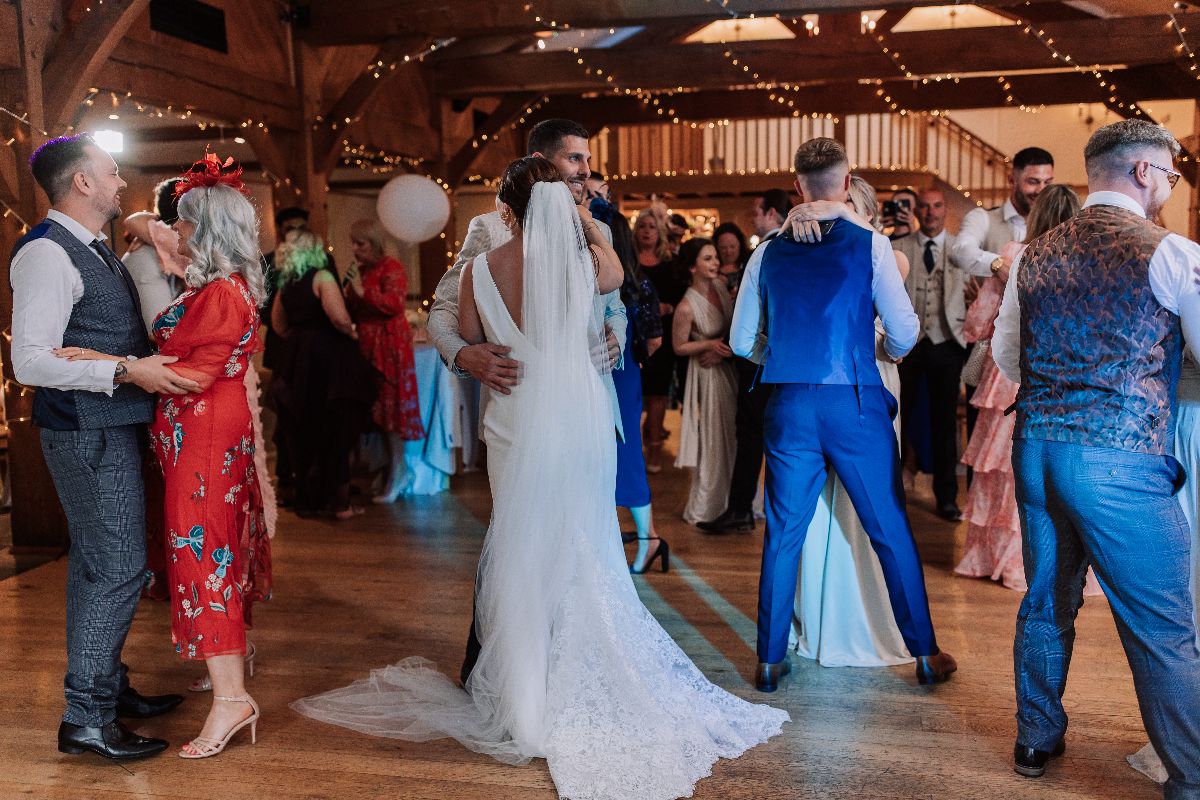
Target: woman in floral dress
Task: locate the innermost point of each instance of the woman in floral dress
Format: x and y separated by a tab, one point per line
218	552
376	295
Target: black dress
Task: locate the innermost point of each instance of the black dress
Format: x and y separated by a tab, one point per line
324	389
659	369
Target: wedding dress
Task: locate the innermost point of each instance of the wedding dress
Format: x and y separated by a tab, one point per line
843	613
572	667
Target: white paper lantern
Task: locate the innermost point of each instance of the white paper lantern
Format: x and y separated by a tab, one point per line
413	208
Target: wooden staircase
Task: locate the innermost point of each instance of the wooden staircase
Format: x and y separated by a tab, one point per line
738	157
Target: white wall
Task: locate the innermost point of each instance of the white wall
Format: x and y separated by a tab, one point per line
1064	130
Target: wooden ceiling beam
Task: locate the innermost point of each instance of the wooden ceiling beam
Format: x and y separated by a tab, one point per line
157	76
80	52
358	94
332	25
1133	41
855	98
510	108
10	57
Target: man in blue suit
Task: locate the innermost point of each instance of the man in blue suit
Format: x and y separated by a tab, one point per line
806	313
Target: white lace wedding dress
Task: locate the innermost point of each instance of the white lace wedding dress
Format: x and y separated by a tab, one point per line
573	668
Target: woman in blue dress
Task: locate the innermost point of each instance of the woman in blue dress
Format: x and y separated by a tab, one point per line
645	336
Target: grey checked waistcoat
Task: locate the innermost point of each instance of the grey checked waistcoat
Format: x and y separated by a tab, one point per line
106	319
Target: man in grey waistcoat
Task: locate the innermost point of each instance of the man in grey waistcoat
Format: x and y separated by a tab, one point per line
565	144
70	294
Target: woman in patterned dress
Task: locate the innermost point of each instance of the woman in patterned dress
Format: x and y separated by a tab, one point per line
993	545
218	552
376	293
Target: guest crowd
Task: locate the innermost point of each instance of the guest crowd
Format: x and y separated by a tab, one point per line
174	374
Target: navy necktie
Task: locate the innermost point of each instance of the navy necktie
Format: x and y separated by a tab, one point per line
113	263
929	262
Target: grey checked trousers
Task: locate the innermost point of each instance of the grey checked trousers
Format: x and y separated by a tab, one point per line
98	477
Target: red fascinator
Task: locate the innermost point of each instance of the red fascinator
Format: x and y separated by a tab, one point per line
211	171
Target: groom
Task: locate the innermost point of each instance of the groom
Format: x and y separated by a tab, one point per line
806	313
565	144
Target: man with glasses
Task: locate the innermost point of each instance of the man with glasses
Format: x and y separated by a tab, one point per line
1095	317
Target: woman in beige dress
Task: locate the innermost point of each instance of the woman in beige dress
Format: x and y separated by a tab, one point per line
700	332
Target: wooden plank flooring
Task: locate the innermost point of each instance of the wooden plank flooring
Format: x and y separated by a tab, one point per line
397	582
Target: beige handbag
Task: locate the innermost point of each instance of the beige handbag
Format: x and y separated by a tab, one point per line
972	371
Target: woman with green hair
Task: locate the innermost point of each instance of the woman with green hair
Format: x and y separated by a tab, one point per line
324	386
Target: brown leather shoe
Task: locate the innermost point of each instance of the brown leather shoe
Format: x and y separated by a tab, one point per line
935	669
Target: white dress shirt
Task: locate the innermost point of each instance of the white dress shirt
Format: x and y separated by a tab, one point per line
969	253
900	323
46	286
1171	281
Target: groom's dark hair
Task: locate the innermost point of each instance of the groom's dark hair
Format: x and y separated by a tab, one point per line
547	136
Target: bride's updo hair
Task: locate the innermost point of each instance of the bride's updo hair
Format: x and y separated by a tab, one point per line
516	184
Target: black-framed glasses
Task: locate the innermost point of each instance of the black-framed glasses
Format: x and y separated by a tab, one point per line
1172	176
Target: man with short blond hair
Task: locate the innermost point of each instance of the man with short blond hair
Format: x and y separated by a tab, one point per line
806	313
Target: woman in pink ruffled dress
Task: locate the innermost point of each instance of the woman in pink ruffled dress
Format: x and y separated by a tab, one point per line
993	547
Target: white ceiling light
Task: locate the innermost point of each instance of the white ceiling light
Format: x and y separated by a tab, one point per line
109	141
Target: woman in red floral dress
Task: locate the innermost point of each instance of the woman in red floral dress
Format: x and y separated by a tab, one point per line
218	551
376	294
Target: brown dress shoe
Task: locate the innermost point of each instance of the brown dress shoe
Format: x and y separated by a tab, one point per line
935	669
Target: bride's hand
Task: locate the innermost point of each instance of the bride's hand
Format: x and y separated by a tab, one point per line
83	354
805	219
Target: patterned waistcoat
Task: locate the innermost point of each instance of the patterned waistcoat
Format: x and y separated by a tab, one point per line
1099	354
106	319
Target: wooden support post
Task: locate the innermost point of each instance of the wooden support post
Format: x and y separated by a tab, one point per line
38	523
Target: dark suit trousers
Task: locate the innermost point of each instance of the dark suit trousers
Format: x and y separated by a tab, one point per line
751	407
941	366
98	475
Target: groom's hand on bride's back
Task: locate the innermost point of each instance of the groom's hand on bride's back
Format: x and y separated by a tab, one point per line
488	363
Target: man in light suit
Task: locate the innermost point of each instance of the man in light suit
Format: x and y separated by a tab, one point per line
935	286
565	143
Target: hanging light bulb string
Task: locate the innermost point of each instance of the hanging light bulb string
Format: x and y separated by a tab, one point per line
1183	46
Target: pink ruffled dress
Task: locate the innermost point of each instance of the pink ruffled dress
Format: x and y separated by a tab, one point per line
993	546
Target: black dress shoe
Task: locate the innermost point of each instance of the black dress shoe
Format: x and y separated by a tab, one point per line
1032	763
132	704
766	678
950	511
729	521
113	740
935	669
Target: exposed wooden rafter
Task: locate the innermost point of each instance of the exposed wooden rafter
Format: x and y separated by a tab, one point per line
332	25
81	51
352	101
1132	41
509	109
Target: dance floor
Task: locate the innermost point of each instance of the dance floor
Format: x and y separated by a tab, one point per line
397	582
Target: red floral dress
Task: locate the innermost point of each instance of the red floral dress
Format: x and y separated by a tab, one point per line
218	552
387	342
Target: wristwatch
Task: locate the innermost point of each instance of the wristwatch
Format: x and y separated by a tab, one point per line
997	264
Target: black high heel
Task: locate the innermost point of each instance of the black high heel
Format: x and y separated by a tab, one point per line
663	550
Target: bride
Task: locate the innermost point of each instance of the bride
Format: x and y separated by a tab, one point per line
572	667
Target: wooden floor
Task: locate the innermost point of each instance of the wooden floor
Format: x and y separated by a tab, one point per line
397	582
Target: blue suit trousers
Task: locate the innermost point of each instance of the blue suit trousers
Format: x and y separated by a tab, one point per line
810	428
1115	510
